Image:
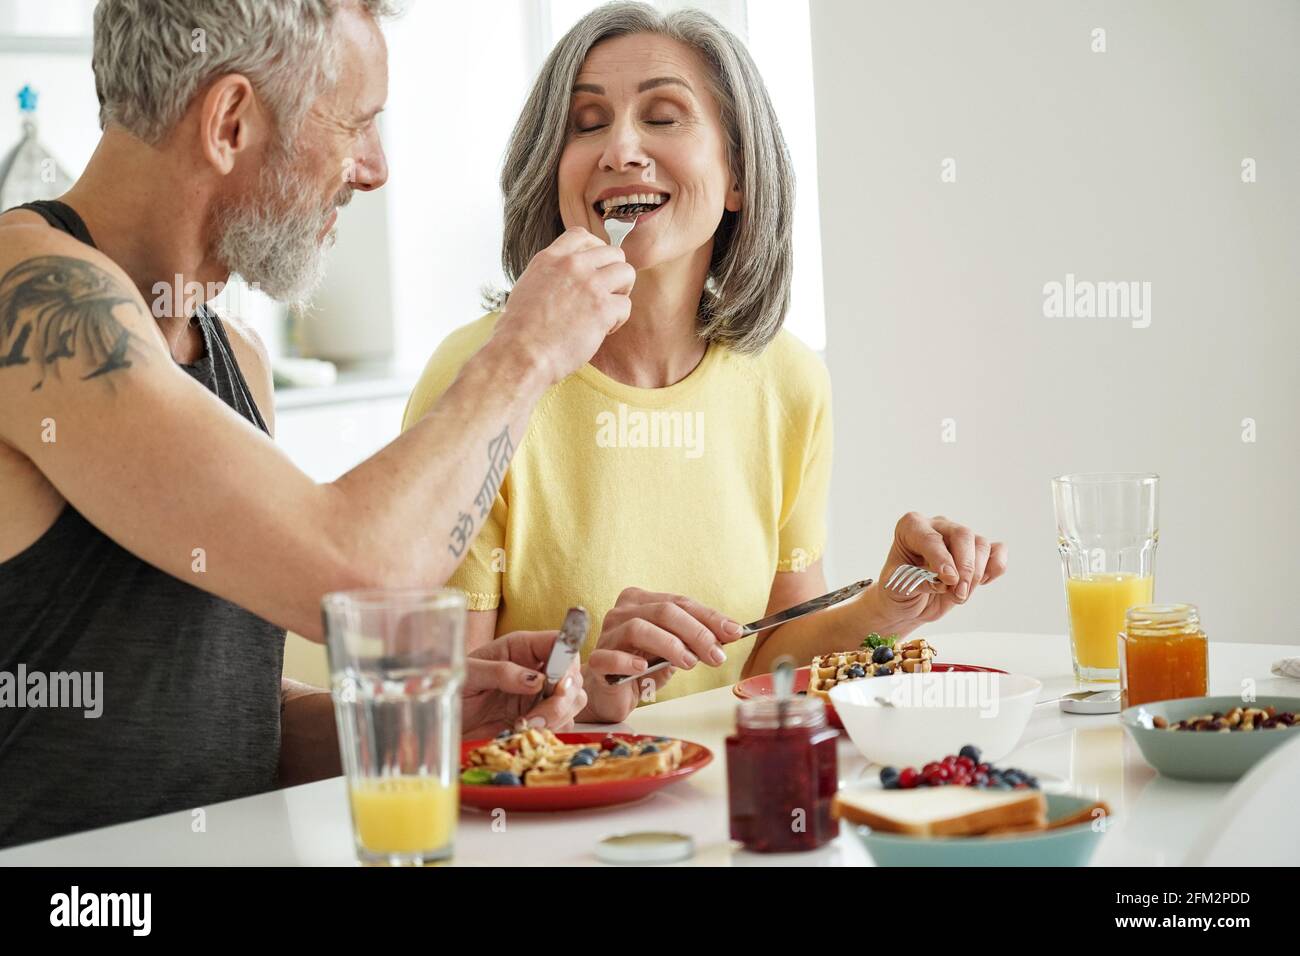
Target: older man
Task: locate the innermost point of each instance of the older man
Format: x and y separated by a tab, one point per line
135	427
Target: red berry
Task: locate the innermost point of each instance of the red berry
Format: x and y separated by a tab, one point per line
930	767
907	778
966	764
933	777
961	779
949	761
983	768
610	742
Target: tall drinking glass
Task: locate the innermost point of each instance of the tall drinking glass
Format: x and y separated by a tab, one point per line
397	662
1106	531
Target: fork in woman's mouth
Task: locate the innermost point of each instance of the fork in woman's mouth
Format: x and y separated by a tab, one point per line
617	229
629	205
620	211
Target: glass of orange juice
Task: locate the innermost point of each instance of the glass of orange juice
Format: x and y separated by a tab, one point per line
397	662
1107	528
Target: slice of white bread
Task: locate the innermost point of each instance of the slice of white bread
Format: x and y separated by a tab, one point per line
942	811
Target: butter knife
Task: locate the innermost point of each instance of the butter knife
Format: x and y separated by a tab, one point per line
838	596
568	644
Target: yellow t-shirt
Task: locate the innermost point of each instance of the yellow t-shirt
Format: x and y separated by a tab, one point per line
705	488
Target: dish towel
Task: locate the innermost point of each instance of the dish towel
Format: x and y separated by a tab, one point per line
1287	667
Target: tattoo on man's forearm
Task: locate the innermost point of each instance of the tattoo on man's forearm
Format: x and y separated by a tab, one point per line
59	308
499	452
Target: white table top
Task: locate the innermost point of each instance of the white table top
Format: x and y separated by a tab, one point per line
1155	819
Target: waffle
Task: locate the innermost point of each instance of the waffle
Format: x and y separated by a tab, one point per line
827	670
540	759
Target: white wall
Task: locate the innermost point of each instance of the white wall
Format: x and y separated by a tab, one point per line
1122	165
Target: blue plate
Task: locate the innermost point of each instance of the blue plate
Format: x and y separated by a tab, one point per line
1068	846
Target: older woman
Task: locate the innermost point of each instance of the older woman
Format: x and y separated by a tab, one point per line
691	457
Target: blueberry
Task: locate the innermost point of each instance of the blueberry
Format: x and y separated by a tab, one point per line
583	758
504	778
649	749
882	655
592	752
662	740
622	750
884	671
971	751
504	734
855	671
889	777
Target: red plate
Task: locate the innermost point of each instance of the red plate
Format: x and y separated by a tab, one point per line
579	796
761	685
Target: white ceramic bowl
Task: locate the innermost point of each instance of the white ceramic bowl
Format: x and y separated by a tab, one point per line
935	714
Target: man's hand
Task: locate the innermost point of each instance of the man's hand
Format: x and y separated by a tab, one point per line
502	679
309	743
79	347
573	294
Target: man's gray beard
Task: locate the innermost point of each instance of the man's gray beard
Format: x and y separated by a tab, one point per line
271	238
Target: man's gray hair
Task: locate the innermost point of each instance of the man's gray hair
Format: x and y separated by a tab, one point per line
748	290
152	56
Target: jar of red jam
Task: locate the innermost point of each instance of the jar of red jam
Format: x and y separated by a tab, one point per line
781	775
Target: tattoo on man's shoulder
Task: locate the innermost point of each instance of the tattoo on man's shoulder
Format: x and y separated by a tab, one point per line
56	309
499	452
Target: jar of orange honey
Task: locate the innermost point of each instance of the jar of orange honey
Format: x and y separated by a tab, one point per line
1163	654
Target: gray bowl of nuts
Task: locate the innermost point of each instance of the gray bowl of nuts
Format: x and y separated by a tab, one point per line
1211	738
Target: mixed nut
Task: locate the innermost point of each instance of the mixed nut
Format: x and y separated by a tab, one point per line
1237	719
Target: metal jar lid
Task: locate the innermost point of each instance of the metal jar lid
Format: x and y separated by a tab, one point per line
645	847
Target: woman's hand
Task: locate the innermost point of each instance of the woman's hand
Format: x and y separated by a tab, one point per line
644	625
963	560
504	676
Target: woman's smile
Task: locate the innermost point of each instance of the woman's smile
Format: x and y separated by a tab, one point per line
624	202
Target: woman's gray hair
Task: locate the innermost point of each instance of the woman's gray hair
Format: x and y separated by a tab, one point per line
748	290
152	56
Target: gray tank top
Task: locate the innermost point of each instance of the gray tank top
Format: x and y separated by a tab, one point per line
190	685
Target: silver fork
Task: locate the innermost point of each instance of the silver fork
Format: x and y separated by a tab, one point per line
617	230
908	577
